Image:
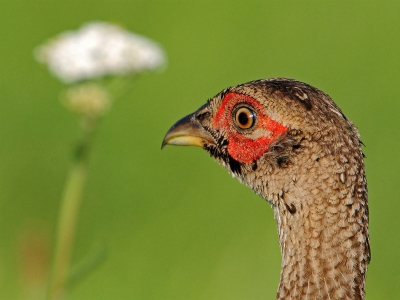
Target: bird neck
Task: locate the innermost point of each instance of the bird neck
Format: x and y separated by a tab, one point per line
319	196
324	252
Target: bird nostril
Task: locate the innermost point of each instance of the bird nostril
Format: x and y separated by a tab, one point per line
202	115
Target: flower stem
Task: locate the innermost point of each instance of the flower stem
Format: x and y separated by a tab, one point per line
67	219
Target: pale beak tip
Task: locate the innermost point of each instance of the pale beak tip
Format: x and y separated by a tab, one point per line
164	143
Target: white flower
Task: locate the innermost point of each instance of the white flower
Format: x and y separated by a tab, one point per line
98	49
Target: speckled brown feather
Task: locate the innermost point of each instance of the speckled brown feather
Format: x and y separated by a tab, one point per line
314	179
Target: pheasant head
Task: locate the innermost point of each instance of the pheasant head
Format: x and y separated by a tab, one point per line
292	145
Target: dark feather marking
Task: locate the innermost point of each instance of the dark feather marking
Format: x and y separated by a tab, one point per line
224	92
234	165
279	161
301	96
291	208
221	140
295	147
282	161
306	103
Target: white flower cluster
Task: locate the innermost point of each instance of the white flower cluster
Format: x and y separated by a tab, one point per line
98	49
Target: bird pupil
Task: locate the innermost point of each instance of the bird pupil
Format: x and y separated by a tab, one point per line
243	118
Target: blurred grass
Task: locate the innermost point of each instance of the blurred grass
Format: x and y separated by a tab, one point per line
177	226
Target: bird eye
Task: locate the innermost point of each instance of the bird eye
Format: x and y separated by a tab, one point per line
244	118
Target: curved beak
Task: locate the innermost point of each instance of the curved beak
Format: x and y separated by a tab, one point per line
187	132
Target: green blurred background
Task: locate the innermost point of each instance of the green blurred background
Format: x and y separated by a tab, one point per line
176	225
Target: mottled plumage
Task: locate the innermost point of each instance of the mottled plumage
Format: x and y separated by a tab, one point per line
292	145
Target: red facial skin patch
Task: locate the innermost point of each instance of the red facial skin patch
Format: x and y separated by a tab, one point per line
241	148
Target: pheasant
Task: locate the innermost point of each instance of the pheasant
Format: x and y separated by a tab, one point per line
291	144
